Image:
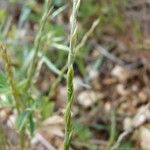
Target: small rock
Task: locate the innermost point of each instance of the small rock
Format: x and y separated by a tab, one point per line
61	96
127	123
121	90
93	74
107	107
77	84
145	138
120	73
5	114
11	121
88	98
143	96
51	133
142	115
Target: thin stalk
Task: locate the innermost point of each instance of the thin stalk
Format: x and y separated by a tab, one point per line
87	35
37	43
56	82
112	131
77	48
70	76
10	77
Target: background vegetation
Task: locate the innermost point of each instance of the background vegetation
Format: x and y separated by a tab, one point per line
110	46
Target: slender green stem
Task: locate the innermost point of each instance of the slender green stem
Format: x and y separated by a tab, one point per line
70	75
70	99
37	43
56	82
112	130
87	35
77	48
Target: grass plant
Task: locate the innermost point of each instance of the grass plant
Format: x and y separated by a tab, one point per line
70	75
37	42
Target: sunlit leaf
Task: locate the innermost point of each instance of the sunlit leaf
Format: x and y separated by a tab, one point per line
22	119
3	83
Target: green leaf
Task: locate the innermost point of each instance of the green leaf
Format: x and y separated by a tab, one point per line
31	124
3	14
22	119
51	66
47	109
3	83
60	47
82	132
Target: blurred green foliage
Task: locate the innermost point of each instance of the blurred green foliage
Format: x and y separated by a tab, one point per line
82	132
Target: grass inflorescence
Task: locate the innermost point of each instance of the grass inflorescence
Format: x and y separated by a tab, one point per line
10	77
70	75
